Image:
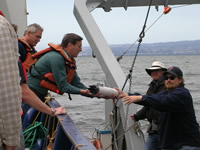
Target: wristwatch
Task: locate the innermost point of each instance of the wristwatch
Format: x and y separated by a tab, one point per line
53	111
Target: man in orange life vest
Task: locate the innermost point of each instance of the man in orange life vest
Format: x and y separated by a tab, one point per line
32	36
55	69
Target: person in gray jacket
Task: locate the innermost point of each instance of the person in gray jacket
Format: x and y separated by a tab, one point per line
156	86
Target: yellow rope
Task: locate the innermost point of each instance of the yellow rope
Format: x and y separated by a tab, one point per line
53	128
49	99
46	119
51	139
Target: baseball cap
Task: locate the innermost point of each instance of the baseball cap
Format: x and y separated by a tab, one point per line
176	71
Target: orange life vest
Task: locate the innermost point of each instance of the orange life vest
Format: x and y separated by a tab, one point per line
48	80
28	61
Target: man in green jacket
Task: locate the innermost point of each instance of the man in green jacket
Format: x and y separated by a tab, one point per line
54	62
58	62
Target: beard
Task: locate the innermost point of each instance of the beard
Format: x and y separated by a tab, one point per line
169	85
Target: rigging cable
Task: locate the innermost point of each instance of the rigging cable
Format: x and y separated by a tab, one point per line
120	57
141	36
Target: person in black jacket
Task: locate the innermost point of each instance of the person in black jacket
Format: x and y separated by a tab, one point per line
156	86
178	127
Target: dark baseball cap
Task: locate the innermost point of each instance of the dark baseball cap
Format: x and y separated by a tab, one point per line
176	71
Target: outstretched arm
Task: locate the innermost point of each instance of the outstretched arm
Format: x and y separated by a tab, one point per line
132	99
121	93
30	97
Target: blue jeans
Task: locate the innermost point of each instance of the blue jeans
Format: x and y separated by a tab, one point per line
189	148
152	142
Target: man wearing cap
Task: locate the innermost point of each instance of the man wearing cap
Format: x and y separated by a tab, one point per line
156	86
178	127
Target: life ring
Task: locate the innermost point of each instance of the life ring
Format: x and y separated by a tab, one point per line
97	144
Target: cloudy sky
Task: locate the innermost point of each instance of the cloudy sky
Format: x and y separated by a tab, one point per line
118	26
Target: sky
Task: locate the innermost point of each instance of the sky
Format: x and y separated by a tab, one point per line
118	26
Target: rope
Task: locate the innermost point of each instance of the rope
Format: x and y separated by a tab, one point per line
51	139
141	36
138	131
51	136
121	56
182	6
135	125
33	133
39	111
48	126
113	130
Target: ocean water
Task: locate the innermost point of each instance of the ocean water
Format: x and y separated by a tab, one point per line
88	113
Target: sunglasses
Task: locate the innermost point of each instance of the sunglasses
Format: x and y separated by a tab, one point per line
171	78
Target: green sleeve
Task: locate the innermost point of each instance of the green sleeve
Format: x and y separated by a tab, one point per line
77	82
59	72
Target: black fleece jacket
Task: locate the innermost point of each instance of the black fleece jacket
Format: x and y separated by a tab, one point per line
177	125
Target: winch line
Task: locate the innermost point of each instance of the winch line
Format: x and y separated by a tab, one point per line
142	35
120	57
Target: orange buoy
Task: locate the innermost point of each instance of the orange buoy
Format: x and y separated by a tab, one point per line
167	9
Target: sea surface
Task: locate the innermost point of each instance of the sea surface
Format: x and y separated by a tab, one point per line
88	113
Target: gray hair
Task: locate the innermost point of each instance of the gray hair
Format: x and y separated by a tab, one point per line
33	28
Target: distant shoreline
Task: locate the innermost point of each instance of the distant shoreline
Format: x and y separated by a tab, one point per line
153	49
150	55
